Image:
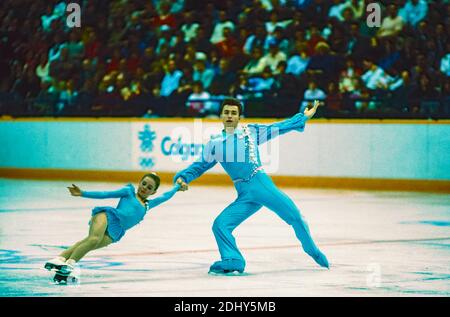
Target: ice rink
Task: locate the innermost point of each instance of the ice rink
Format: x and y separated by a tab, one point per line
378	244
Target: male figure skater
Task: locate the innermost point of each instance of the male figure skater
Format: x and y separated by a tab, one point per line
237	151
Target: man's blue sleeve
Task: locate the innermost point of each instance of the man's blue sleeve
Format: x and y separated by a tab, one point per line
267	132
196	169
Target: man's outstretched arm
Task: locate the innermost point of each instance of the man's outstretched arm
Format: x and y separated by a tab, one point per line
297	123
196	169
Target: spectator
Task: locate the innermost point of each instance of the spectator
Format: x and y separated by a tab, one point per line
263	84
390	53
445	98
414	11
337	40
391	25
127	89
63	68
224	79
67	96
279	39
349	78
112	63
272	58
199	101
298	63
203	74
186	83
45	101
166	38
363	101
316	10
254	65
314	37
445	65
165	17
312	93
425	99
86	97
171	80
337	9
224	22
440	38
402	89
334	99
75	47
271	5
201	41
43	68
257	39
422	33
421	67
27	85
228	47
357	44
92	46
347	17
48	18
242	90
189	27
55	50
148	59
241	39
177	6
324	64
285	83
274	23
375	77
357	7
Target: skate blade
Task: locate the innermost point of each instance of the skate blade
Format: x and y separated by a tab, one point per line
234	273
66	280
52	267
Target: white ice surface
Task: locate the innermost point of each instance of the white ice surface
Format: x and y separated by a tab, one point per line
378	244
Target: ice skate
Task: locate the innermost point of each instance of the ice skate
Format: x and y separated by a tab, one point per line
227	267
55	264
69	273
65	279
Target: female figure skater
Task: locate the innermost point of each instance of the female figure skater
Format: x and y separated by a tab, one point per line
108	225
237	151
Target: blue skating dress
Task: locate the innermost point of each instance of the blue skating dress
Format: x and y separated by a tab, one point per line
129	212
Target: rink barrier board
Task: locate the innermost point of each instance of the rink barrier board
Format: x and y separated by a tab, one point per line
436	181
415	185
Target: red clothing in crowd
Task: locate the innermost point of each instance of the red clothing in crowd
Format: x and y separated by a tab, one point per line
169	20
228	48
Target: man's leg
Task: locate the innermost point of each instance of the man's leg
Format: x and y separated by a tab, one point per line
223	226
271	197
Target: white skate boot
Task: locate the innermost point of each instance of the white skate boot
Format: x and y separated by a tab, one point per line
55	264
68	273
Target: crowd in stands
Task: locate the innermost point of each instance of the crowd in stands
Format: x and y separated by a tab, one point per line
180	58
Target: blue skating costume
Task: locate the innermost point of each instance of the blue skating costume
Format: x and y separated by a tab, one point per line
129	212
238	154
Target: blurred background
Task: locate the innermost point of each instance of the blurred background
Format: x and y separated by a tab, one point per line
150	58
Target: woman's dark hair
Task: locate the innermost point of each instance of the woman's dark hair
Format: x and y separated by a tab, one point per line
231	102
153	176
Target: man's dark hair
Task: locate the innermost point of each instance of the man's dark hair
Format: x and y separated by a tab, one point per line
153	176
231	102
